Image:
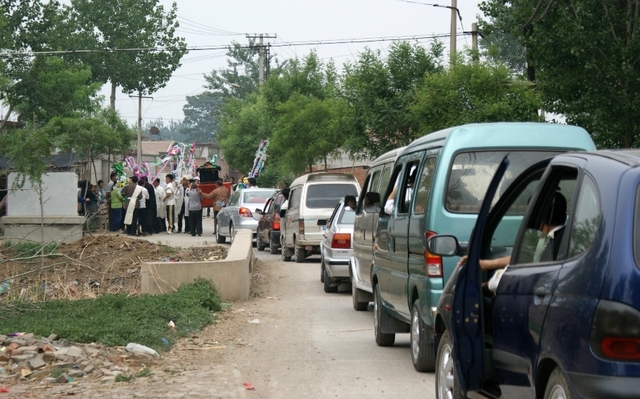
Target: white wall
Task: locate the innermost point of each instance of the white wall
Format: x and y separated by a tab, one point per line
59	196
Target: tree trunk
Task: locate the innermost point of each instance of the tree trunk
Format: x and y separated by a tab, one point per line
113	96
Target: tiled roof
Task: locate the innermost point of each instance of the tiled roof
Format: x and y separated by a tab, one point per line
156	147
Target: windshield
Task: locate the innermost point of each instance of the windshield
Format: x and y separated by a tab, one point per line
328	195
256	197
471	173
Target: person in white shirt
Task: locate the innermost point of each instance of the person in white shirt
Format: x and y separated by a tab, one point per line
159	225
143	229
170	202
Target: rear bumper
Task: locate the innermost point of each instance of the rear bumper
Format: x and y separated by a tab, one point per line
604	386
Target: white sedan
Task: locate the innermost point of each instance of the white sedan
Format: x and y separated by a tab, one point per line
336	248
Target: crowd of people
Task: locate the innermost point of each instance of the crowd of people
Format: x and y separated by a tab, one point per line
142	208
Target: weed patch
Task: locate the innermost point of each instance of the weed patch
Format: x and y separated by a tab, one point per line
118	319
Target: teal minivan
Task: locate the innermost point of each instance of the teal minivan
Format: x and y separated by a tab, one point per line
437	187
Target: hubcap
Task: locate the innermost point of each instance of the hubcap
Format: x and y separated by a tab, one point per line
415	335
557	393
445	374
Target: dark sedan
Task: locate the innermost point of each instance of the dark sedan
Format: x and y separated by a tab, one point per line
268	233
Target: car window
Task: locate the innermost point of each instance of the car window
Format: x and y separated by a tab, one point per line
256	197
234	199
268	206
294	198
347	216
424	186
471	173
327	195
333	215
365	190
544	239
386	176
405	194
375	180
587	218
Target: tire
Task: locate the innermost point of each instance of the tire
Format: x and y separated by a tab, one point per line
284	252
422	354
359	306
220	239
382	339
328	284
557	387
259	244
273	247
447	386
232	232
299	253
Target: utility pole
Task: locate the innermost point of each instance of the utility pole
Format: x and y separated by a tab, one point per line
139	147
261	54
452	45
474	41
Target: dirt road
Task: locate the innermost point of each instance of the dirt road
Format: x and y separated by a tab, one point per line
290	340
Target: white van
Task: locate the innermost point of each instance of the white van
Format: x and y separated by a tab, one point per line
364	228
311	201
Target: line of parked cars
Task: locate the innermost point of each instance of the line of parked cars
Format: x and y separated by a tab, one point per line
566	326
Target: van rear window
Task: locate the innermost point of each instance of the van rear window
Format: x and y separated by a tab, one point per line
328	195
471	173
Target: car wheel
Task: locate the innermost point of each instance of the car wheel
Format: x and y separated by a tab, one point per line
382	339
299	253
273	247
285	253
447	386
328	284
220	239
259	244
421	349
557	387
357	305
232	232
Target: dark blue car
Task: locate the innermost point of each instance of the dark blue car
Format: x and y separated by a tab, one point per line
564	320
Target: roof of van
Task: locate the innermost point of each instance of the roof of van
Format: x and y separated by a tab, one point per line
388	156
324	177
508	134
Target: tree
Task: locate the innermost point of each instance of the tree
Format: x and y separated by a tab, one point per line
200	116
381	90
114	27
472	93
584	54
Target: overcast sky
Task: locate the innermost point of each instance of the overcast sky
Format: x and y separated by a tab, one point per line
219	22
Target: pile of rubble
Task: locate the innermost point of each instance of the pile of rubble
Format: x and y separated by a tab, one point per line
49	361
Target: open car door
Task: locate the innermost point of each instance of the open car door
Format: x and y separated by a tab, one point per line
467	326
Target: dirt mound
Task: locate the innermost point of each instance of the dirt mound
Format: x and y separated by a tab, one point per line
91	266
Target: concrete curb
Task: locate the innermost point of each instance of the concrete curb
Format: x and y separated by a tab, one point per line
231	276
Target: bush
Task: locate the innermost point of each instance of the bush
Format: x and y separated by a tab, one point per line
116	320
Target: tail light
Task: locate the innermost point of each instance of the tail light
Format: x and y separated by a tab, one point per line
341	241
275	224
615	331
432	263
245	212
301	226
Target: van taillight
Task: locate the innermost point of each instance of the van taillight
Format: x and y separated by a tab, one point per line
341	241
615	331
301	226
275	225
432	263
245	212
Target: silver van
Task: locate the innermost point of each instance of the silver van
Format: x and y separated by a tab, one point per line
312	199
364	228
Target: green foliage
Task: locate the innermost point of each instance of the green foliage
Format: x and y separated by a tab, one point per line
585	57
200	119
472	93
115	320
29	249
126	24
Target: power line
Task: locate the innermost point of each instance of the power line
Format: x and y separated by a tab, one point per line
8	53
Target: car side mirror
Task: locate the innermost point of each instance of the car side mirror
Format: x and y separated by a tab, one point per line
443	245
259	211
